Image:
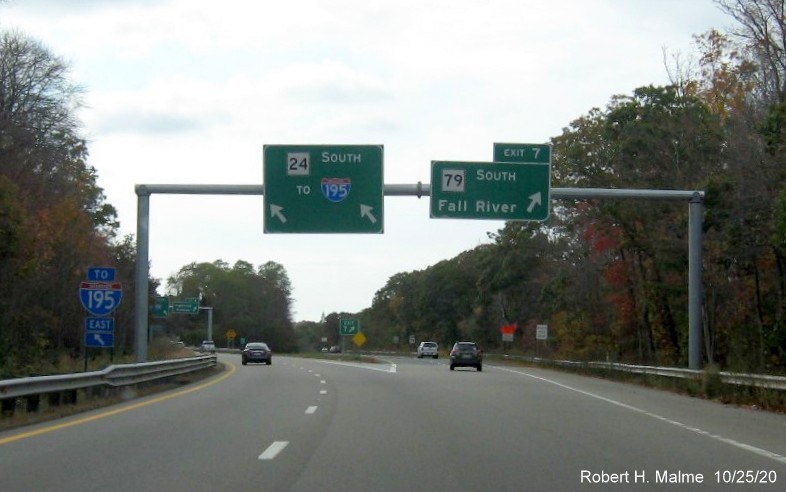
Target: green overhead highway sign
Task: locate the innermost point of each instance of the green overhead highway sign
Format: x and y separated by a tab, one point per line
490	190
189	306
323	189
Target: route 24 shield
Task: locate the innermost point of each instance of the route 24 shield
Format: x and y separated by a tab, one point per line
336	189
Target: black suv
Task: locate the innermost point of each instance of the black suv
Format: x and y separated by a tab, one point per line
466	354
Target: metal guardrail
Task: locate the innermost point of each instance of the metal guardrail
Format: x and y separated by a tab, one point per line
113	376
742	379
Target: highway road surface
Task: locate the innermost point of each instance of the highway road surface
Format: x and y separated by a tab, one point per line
403	425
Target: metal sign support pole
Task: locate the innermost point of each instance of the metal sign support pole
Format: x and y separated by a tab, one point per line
209	321
141	286
695	285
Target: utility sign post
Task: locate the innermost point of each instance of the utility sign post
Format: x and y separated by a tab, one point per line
507	332
349	327
100	295
323	189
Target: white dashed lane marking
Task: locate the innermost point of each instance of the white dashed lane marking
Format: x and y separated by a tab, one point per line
273	450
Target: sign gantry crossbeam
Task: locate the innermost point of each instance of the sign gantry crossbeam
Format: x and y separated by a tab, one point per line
695	200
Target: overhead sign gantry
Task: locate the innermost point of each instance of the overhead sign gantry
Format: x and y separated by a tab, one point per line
304	182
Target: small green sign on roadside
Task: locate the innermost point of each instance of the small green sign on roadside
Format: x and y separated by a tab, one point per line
160	308
349	327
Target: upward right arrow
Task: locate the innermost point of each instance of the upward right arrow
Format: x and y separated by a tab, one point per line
534	199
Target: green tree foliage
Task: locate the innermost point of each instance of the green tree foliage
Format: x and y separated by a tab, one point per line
762	33
309	336
255	303
54	222
748	265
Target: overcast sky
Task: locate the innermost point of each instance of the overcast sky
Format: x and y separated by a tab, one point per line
189	91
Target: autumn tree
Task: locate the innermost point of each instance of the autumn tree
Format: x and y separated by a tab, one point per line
54	221
255	303
741	77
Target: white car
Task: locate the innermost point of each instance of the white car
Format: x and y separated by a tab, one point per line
428	349
208	347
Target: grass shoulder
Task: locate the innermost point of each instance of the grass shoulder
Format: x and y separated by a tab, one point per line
709	386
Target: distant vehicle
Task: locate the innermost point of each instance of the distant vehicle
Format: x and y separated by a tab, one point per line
428	349
324	349
208	346
335	349
466	354
257	352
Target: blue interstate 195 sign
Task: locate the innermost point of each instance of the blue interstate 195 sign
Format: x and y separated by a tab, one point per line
100	298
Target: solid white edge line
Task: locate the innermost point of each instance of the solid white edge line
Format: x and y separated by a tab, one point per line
732	442
273	450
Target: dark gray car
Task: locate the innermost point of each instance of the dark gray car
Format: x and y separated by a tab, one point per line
466	354
257	352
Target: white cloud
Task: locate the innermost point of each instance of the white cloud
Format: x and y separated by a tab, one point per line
188	91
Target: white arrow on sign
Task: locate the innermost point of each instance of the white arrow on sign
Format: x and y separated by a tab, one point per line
275	211
97	337
365	211
534	199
